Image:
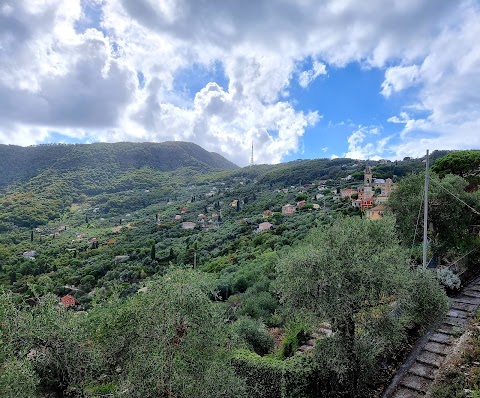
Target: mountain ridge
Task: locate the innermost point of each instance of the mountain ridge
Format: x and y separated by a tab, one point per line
19	164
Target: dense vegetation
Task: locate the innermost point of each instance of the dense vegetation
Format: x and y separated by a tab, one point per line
121	230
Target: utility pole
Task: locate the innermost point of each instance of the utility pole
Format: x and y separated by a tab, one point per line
425	215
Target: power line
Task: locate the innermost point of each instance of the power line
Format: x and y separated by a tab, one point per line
456	197
456	261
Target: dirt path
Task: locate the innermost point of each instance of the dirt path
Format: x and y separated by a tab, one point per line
416	375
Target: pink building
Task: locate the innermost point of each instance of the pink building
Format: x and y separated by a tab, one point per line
288	209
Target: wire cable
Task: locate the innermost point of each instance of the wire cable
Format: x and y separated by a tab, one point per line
456	197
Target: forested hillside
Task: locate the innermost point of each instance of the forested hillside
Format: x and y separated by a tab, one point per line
18	164
195	281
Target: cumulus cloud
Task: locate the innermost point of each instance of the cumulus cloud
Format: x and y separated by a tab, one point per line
306	77
358	149
66	68
398	78
450	92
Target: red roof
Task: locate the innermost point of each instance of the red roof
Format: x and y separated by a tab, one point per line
69	301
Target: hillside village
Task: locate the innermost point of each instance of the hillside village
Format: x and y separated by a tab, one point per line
371	196
88	231
223	239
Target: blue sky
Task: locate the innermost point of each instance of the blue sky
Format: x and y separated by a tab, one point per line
383	79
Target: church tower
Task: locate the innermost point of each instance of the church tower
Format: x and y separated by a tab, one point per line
368	178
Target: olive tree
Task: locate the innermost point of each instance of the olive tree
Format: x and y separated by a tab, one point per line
168	341
352	274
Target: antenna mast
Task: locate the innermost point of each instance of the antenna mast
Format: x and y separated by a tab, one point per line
251	157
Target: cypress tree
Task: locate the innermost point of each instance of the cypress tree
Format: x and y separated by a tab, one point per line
152	252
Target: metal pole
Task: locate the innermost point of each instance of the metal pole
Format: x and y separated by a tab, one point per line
425	215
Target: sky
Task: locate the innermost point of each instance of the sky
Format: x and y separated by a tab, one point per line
377	79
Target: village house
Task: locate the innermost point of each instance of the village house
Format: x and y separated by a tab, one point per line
348	192
301	203
188	225
380	199
69	301
375	213
30	254
288	209
367	202
357	203
265	226
267	213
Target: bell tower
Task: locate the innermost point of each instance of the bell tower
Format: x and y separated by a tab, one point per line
368	178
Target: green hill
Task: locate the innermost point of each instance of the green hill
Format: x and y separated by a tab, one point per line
18	164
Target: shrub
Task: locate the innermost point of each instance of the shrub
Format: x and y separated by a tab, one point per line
427	301
448	279
267	377
295	336
254	335
263	375
259	306
301	378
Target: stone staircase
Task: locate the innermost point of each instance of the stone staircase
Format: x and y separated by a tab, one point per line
417	374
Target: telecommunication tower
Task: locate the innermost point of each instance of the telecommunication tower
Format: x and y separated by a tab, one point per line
251	157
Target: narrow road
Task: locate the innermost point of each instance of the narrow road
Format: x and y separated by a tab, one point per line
418	372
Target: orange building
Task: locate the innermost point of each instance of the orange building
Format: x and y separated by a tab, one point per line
375	213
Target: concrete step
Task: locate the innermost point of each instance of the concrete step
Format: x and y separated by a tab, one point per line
450	330
474	287
416	383
448	320
406	393
437	348
441	338
430	358
468	300
470	308
454	313
422	370
471	293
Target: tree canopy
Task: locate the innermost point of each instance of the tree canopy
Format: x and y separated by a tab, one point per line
450	220
465	164
351	274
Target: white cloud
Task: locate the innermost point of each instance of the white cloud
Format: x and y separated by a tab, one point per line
449	93
398	78
358	149
306	77
83	83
